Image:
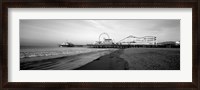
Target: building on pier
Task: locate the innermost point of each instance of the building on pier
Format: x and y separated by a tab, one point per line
133	40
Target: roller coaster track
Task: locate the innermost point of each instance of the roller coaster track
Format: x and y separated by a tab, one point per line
131	36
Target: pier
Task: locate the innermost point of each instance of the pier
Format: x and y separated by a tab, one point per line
132	42
132	46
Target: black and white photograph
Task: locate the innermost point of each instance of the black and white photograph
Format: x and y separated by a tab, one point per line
99	44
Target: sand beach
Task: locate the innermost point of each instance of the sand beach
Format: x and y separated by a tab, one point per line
112	59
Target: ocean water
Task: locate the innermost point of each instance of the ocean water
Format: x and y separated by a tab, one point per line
30	52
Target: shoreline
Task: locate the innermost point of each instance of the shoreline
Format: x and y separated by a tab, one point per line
64	63
38	54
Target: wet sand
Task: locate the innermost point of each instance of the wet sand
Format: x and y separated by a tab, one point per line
108	62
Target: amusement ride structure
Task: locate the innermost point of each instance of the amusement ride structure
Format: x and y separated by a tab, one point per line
130	40
104	39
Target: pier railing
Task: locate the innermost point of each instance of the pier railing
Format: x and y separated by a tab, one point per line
132	46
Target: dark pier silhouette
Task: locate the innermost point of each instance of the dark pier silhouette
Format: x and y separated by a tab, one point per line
133	46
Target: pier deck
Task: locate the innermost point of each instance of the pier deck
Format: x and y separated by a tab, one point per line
132	46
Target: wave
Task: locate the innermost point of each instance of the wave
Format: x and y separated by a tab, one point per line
52	51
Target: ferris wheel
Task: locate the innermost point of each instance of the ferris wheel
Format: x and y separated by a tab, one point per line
103	36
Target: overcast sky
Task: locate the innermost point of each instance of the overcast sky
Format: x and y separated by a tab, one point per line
54	32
